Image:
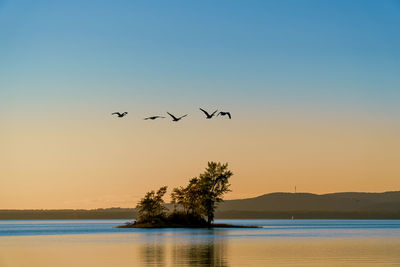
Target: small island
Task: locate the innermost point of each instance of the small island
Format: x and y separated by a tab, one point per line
193	205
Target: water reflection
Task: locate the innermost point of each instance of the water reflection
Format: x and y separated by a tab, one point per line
200	254
153	254
190	252
281	243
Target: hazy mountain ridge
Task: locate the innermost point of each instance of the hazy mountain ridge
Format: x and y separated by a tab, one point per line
274	205
347	201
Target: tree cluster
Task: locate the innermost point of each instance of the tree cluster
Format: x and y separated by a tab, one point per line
193	204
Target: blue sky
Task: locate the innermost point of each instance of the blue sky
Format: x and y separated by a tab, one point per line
321	54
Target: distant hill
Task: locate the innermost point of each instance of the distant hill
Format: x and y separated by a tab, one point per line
307	205
275	205
388	201
68	214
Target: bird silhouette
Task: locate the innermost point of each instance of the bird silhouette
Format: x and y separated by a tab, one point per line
154	117
120	115
223	113
209	116
175	118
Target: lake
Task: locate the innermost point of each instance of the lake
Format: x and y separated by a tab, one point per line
279	243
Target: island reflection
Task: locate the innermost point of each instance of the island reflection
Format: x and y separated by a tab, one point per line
191	252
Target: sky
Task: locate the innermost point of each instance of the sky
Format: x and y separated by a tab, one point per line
313	88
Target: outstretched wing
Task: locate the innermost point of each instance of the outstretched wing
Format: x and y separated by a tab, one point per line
119	114
229	115
205	112
172	115
214	113
183	116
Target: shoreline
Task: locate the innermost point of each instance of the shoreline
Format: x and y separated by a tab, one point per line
174	225
232	215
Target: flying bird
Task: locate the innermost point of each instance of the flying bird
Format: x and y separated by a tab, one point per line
208	115
175	118
223	113
120	115
154	117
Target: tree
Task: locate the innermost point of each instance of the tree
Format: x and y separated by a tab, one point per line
213	183
201	196
151	206
188	197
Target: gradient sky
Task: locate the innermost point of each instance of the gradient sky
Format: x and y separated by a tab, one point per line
313	88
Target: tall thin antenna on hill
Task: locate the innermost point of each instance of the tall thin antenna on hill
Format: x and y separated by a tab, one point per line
295	189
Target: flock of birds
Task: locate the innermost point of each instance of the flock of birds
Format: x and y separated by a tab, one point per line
174	118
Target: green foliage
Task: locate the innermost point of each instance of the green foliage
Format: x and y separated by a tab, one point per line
151	206
214	183
188	197
195	202
201	196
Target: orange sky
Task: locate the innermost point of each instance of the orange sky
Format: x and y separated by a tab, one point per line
92	162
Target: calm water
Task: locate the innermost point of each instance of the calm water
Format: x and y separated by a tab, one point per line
278	243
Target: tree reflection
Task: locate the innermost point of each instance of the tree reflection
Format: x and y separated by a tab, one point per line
196	250
153	254
204	253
